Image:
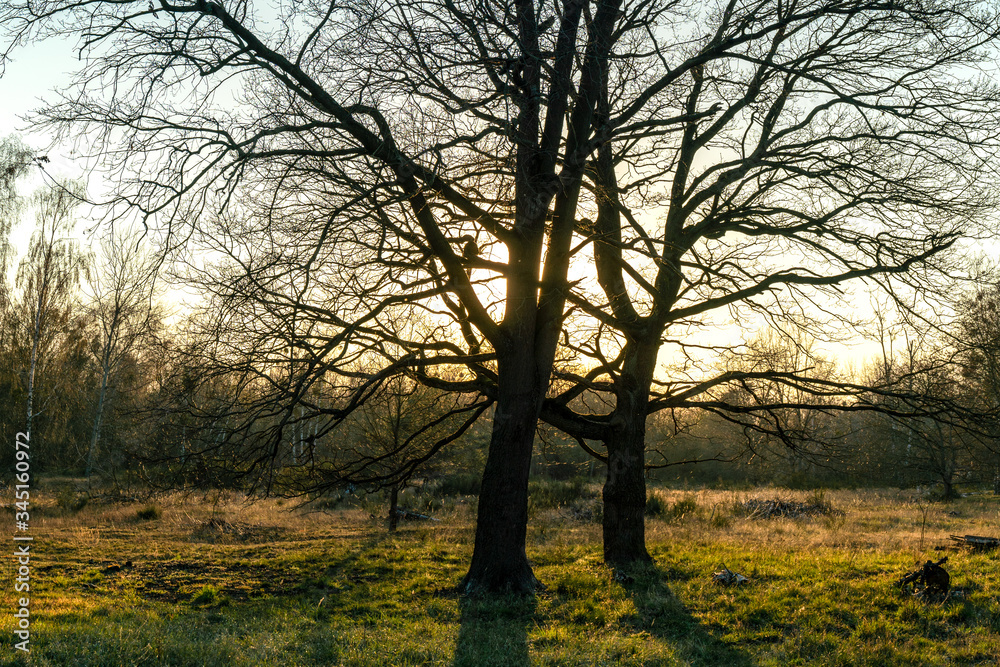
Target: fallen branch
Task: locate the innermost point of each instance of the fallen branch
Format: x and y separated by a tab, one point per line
977	541
408	515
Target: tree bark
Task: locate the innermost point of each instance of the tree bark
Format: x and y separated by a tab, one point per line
624	520
625	501
499	561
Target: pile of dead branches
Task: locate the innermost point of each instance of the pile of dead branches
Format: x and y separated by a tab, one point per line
769	509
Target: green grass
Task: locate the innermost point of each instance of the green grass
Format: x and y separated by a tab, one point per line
268	587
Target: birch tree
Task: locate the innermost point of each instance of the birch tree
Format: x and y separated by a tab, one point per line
48	278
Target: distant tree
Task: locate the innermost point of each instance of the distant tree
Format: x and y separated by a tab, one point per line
16	159
123	311
778	402
938	447
398	427
978	334
48	279
356	422
927	424
15	162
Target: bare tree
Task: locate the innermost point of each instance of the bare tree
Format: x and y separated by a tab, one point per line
48	278
122	308
978	341
458	156
16	160
824	144
398	424
462	130
933	448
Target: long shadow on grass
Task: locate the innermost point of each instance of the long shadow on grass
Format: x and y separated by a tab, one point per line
662	615
494	631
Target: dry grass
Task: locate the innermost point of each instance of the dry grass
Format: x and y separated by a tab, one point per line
215	580
881	520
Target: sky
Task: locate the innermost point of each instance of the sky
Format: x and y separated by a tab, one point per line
40	69
36	72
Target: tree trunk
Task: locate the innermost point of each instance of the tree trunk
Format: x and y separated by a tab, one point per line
625	500
625	487
95	434
948	487
499	562
36	334
393	507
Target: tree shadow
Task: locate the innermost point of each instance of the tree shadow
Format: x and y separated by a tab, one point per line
663	615
494	631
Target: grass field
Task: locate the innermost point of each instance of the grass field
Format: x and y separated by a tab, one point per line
190	580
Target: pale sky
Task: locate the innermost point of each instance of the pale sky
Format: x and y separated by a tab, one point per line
36	71
32	76
40	69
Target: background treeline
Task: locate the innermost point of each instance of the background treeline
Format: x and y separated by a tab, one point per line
154	405
112	387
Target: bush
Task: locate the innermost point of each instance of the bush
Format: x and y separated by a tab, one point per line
657	507
587	509
149	513
69	500
683	507
208	596
718	519
419	500
548	494
462	484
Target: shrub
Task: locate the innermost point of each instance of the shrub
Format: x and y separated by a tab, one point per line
684	507
462	484
208	595
547	494
657	507
587	509
149	513
718	520
69	500
420	500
